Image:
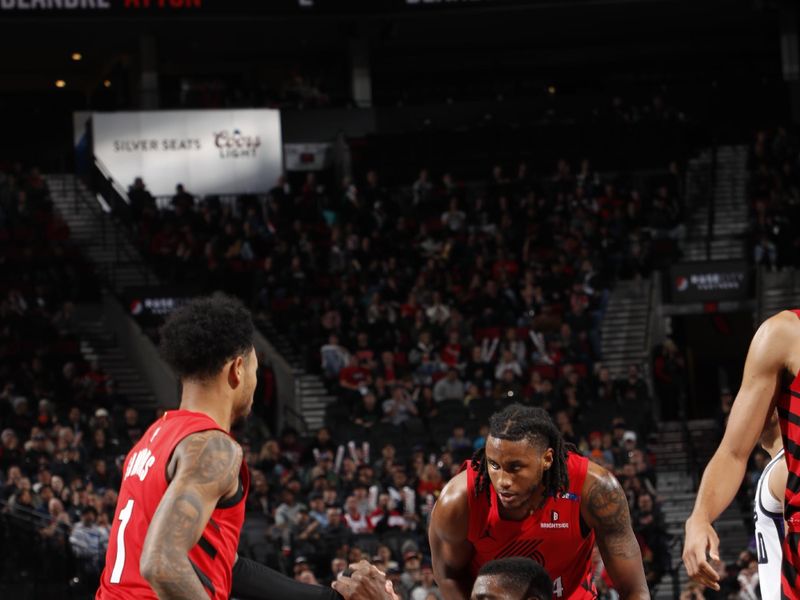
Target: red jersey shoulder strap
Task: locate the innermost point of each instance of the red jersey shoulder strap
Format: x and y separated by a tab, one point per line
577	468
796	311
191	419
188	422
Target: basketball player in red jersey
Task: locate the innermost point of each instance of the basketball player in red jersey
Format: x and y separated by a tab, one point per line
527	495
771	378
181	503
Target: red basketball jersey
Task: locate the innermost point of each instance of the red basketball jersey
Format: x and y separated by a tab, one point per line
143	485
551	536
789	414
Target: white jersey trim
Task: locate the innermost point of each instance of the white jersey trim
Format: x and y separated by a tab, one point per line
769	534
769	502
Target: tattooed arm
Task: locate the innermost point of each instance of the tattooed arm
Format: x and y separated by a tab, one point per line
604	508
206	469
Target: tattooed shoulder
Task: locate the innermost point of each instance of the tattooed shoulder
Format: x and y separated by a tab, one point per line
607	502
210	458
607	507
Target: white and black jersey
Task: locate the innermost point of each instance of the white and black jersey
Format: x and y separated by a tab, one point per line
769	534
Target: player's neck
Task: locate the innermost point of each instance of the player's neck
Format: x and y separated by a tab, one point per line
202	398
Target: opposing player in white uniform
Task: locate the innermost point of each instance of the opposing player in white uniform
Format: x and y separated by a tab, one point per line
769	512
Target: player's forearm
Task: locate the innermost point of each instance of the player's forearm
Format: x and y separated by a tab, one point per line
254	581
721	480
636	591
172	577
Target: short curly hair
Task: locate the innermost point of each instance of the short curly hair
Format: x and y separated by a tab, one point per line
527	577
201	336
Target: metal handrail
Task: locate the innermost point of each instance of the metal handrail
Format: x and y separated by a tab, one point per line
674	571
712	198
694	466
104	171
123	240
647	351
22	513
759	295
288	410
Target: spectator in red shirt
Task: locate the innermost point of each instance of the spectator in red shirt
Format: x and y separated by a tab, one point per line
387	367
430	482
354	376
451	353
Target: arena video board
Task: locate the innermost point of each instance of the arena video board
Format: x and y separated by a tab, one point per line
710	281
208	151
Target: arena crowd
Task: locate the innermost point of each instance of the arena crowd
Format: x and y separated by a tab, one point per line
425	309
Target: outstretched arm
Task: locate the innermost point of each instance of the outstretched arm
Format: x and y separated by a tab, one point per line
722	478
207	470
451	552
604	507
254	581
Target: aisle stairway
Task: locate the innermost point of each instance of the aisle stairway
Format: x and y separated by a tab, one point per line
698	190
119	265
730	207
625	325
683	449
779	290
107	244
102	240
730	200
309	388
98	343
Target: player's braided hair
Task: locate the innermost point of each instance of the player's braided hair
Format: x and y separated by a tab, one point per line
517	422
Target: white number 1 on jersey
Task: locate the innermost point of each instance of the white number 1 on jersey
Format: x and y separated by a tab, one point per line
119	563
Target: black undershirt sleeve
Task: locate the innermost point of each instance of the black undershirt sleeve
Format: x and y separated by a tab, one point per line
254	581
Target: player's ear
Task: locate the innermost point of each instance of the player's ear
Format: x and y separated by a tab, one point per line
547	459
236	371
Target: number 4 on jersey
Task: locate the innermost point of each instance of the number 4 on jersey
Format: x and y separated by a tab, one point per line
558	588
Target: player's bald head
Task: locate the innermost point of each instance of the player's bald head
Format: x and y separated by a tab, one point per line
514	578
